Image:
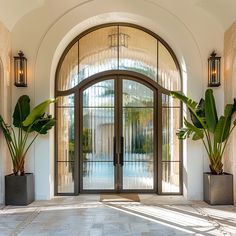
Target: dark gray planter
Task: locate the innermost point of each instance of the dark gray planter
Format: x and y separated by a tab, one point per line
19	190
218	189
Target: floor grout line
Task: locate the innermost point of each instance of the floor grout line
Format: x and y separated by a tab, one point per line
81	217
21	226
216	223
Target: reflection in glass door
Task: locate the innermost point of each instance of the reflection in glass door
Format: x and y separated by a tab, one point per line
98	133
118	136
138	112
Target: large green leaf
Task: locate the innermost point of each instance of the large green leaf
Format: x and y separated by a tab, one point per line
5	130
210	110
192	106
196	132
43	125
22	110
228	110
183	133
37	112
222	129
234	105
200	112
188	101
47	126
189	130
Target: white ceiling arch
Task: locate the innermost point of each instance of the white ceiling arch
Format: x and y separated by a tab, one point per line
12	11
223	11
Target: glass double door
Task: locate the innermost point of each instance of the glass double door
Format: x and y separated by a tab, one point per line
117	147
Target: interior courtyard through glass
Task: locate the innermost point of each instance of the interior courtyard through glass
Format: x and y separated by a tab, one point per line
116	122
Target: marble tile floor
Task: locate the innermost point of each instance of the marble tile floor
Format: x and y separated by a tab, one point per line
84	215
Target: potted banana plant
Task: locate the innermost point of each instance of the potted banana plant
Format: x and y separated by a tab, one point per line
19	186
214	132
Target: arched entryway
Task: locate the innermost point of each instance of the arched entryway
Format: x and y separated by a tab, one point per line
116	122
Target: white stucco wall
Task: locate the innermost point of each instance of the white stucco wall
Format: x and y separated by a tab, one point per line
5	101
230	94
44	33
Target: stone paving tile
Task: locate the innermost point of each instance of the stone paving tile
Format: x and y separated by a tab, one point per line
76	216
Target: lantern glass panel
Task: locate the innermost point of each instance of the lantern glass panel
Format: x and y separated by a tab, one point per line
20	66
214	71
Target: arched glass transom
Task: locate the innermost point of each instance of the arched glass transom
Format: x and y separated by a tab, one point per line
116	122
118	47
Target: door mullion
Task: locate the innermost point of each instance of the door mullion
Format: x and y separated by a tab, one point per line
77	126
118	132
80	137
121	144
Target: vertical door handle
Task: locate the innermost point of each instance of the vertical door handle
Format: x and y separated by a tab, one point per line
122	151
114	151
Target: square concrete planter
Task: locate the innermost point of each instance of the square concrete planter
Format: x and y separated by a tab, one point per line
19	190
218	189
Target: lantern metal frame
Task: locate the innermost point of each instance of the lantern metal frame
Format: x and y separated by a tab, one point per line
20	70
214	70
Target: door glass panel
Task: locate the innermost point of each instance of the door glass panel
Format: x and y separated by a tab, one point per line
170	144
66	149
98	52
136	95
138	111
98	133
66	177
137	51
68	73
170	177
168	73
170	141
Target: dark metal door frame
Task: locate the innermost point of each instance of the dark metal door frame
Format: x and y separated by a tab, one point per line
118	131
158	91
135	76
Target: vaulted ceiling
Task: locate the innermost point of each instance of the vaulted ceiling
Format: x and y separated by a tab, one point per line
12	11
223	11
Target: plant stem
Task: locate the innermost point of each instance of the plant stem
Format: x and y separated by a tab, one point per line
208	141
31	143
11	151
205	147
227	140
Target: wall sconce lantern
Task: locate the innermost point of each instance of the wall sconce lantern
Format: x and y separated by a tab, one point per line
20	70
213	70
